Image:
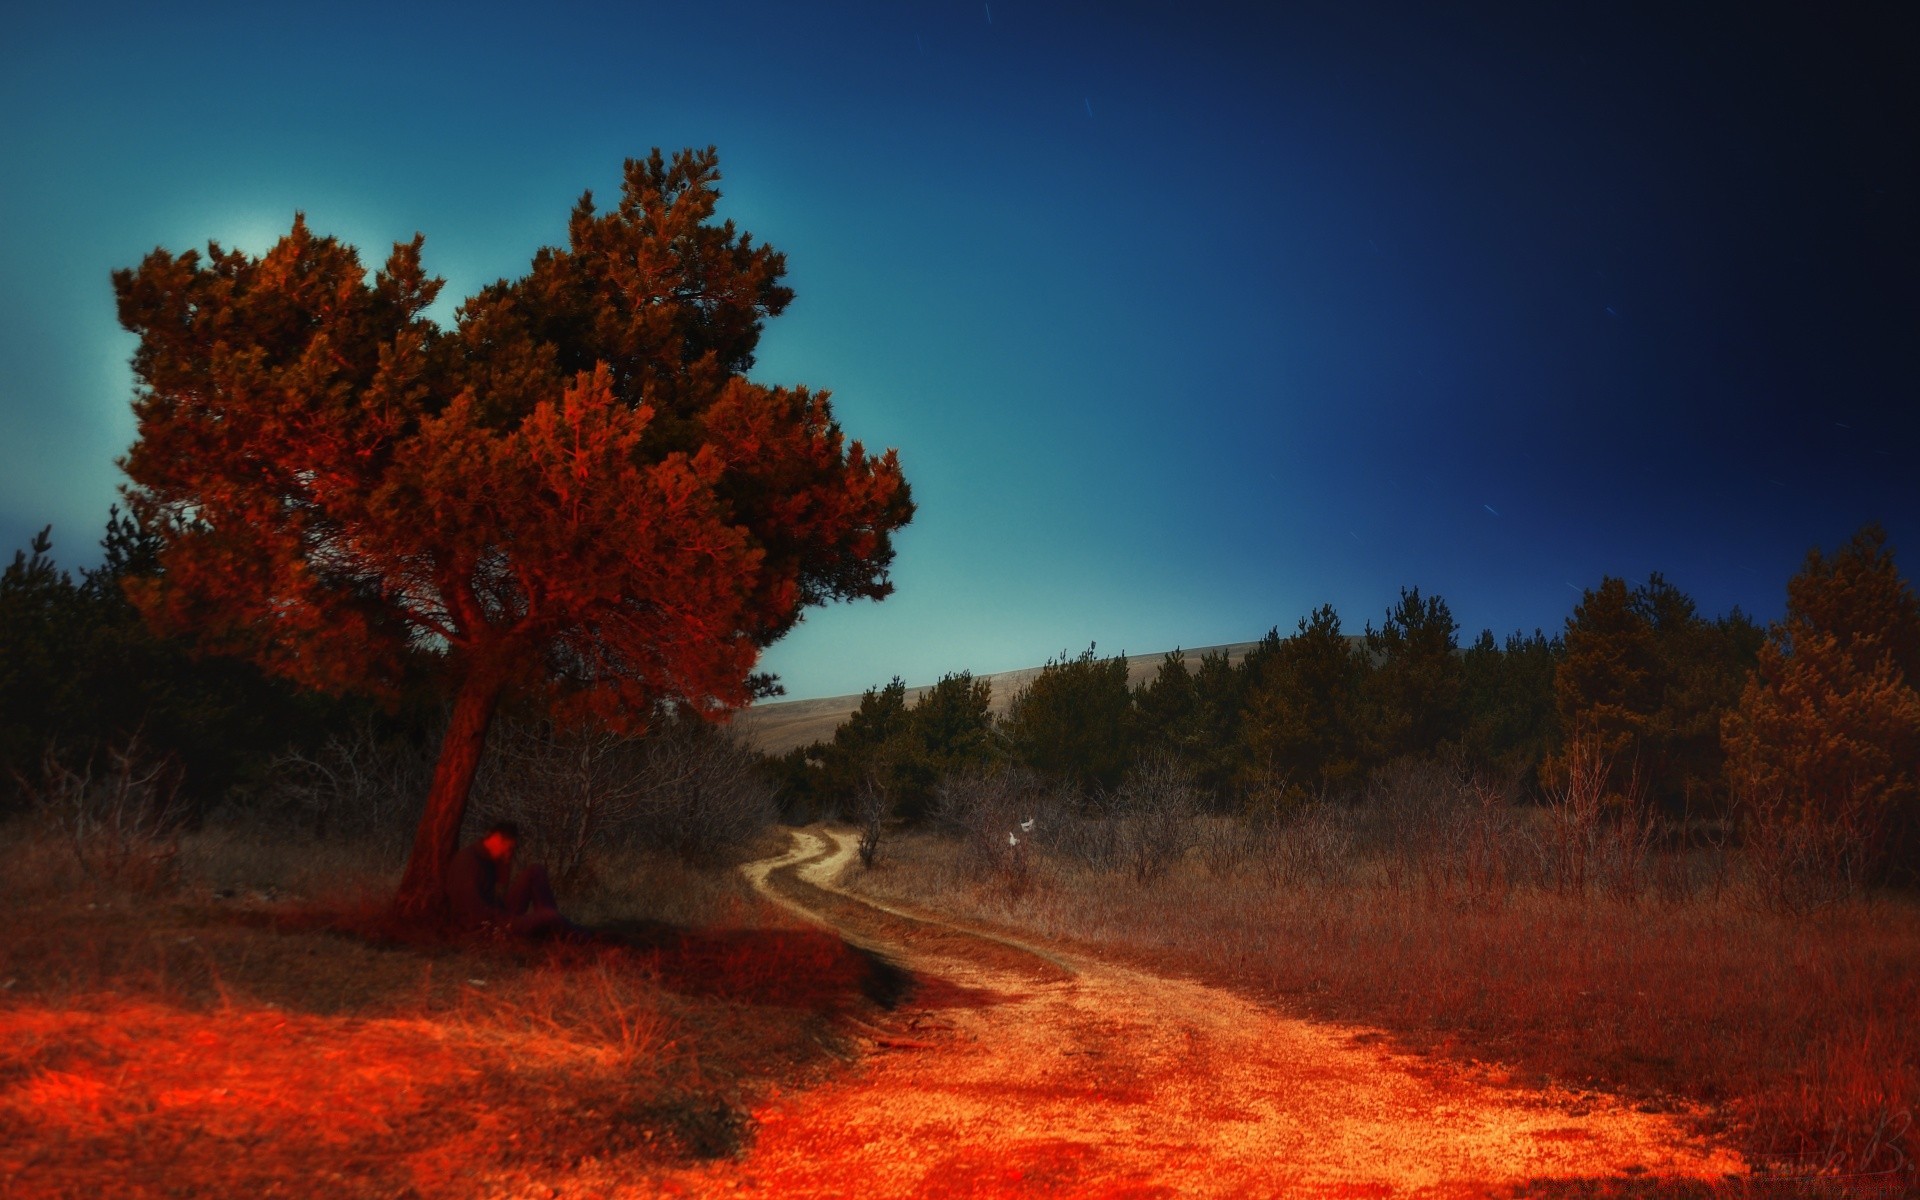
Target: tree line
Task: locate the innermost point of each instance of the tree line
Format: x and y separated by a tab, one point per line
1810	727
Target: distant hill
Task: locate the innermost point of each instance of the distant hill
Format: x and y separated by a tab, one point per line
779	725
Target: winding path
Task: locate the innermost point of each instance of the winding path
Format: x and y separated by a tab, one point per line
1020	1069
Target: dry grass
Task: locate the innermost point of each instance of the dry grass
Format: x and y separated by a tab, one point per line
1798	1031
237	1030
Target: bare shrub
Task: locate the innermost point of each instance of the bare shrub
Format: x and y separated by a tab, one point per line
1309	844
1573	819
1224	843
873	806
1156	806
1437	824
1597	837
691	790
356	785
1084	830
568	791
1626	850
1400	815
998	814
1691	856
1803	860
703	794
118	811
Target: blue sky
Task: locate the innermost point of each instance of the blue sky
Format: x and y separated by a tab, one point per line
1183	321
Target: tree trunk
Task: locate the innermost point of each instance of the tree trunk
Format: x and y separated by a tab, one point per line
423	888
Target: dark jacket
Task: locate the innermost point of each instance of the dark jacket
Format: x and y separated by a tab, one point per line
473	888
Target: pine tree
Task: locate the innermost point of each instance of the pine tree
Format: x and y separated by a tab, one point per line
1643	685
39	628
1073	721
1301	697
1827	733
1165	710
950	727
1604	685
1412	696
1215	755
1507	701
575	495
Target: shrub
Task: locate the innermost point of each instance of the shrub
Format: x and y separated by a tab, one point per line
1312	843
358	783
118	810
693	790
997	813
1156	809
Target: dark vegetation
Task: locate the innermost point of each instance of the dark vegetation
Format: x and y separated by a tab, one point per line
1799	743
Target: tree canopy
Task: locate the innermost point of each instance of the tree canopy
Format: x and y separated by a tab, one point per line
574	493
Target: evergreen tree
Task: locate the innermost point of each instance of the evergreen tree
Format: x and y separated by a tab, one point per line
1300	702
1607	685
952	721
1827	732
881	718
1215	753
575	495
1507	703
1073	721
1412	694
949	728
39	630
867	745
81	673
1645	682
1166	710
800	781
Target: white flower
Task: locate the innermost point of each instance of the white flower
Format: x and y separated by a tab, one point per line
1026	826
1012	840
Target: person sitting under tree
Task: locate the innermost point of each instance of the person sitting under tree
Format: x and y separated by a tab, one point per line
484	892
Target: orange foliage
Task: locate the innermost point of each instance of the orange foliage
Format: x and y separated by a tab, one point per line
574	492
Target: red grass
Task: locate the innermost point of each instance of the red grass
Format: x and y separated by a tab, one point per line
1799	1030
177	1045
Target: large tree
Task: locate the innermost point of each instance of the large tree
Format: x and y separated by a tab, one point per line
574	493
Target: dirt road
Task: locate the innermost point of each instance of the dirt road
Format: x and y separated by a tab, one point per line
1018	1069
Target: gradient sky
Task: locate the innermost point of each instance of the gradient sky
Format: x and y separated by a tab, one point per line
1183	319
